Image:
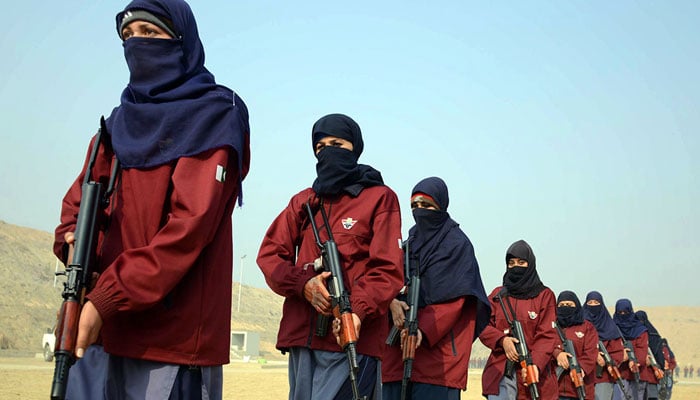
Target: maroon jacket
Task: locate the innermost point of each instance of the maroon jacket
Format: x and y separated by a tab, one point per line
640	344
164	258
536	315
585	340
443	357
617	352
367	230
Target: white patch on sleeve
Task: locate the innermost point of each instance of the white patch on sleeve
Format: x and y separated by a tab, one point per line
220	173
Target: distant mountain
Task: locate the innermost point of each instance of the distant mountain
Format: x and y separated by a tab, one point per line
29	302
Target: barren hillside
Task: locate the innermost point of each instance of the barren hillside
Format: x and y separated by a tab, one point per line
29	301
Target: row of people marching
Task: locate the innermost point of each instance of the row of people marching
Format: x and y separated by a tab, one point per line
332	253
567	350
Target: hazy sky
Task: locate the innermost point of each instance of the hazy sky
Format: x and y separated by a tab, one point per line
572	125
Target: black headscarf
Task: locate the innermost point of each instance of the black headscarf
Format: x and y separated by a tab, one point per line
444	255
630	326
522	283
569	316
600	317
654	336
337	169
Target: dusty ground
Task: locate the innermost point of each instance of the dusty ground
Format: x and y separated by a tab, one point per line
30	378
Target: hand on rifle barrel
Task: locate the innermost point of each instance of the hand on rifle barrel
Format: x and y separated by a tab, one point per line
316	293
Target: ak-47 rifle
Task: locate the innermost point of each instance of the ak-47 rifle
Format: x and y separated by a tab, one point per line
79	268
394	332
629	348
574	367
340	297
613	370
524	356
658	371
411	339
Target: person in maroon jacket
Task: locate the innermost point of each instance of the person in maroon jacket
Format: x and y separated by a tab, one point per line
535	308
648	374
670	365
364	218
584	337
595	311
161	301
452	304
634	332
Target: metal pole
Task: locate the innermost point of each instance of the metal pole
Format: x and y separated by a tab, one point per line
240	284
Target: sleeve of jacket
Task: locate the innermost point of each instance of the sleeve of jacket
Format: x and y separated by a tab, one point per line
277	252
641	344
383	279
546	338
191	225
437	320
589	354
491	336
71	201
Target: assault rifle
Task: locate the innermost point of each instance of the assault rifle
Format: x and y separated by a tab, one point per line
394	332
524	356
629	348
574	367
658	371
79	268
340	298
411	325
613	370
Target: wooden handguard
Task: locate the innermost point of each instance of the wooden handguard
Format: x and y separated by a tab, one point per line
409	347
347	329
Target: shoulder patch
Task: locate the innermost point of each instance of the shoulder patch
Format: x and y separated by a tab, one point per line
220	173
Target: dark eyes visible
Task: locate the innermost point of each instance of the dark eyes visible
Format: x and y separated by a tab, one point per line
334	143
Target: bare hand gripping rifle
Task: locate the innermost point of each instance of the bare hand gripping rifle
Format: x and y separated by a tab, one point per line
411	325
629	348
340	297
524	356
574	366
658	371
394	333
79	268
612	369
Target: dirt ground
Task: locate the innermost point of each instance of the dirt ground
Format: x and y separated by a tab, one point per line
29	378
